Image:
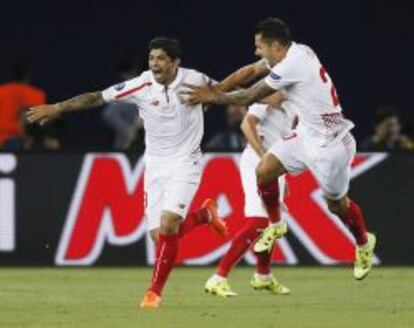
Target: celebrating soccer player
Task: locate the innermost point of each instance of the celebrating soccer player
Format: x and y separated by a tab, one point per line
262	127
322	141
172	156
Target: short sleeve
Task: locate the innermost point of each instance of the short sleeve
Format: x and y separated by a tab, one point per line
125	91
284	74
258	110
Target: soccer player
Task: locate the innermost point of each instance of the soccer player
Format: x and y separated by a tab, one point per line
322	141
262	127
172	156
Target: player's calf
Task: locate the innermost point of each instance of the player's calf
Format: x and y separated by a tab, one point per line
351	215
167	250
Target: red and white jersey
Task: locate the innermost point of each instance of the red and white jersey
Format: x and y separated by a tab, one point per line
172	129
275	123
311	94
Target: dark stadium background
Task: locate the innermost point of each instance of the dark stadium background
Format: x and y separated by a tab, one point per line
73	46
367	47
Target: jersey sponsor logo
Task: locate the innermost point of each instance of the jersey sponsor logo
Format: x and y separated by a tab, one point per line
274	76
107	208
120	86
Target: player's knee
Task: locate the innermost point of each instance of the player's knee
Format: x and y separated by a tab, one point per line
262	172
269	169
170	223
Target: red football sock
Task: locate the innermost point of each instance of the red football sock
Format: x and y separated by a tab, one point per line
167	249
269	192
192	220
264	262
354	220
241	243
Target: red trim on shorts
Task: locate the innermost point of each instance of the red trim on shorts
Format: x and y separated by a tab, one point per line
127	93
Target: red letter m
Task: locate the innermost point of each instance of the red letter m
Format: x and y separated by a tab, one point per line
107	206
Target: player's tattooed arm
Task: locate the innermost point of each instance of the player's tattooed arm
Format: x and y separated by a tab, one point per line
45	113
84	101
245	97
243	75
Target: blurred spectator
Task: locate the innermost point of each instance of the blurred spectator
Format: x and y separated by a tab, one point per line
231	138
33	137
15	97
123	118
387	134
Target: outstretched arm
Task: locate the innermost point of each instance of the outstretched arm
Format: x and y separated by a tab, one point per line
45	113
243	75
245	97
84	101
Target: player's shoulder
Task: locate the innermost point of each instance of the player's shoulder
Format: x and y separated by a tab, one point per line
194	76
297	59
258	110
305	50
191	72
144	77
128	87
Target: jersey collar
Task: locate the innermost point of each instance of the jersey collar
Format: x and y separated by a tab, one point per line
172	85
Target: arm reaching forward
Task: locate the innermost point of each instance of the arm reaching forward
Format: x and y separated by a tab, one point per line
45	113
245	97
243	75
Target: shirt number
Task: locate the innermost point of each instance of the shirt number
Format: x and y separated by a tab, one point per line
326	79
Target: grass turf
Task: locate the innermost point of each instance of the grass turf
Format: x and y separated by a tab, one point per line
321	297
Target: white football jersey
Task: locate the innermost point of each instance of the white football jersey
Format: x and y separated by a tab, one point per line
274	124
172	129
311	94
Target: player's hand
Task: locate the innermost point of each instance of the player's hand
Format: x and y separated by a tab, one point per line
194	94
43	113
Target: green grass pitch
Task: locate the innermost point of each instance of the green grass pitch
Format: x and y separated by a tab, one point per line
321	297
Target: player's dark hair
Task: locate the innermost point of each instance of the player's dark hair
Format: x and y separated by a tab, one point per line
274	29
170	46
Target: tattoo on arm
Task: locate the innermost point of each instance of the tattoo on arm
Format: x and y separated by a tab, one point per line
244	97
84	101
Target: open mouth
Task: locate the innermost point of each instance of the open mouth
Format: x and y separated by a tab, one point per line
156	71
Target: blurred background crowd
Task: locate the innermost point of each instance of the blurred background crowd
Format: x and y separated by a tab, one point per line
121	128
66	49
